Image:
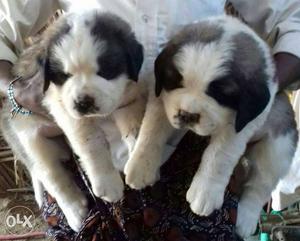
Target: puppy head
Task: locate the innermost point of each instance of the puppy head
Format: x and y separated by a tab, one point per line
214	73
91	61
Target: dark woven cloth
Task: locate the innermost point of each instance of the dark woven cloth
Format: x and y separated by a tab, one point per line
158	213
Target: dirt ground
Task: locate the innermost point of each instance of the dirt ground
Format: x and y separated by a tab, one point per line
10	202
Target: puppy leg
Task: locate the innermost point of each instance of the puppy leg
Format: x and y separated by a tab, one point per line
142	168
42	157
89	143
206	192
129	120
8	129
47	169
272	157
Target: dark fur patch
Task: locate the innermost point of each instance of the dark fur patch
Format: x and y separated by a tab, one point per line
166	74
54	73
124	52
245	88
225	91
204	32
282	118
52	67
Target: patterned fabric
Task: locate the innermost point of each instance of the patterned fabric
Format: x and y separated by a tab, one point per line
158	213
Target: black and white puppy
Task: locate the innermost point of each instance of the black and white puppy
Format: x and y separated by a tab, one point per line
91	63
216	78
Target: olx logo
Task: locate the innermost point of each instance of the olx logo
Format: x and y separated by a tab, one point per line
19	219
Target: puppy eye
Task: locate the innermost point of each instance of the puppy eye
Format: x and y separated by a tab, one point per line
65	75
61	76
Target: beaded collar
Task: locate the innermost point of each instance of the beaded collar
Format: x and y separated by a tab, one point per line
16	108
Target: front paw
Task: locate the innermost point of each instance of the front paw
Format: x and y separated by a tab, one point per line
74	209
205	196
247	219
108	186
142	170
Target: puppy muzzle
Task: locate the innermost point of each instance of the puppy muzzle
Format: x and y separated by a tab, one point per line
187	119
85	105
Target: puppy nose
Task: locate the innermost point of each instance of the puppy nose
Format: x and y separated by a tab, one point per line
84	104
187	117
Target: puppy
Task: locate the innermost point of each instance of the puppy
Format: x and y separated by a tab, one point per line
216	78
91	64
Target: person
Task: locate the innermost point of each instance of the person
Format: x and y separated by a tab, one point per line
159	212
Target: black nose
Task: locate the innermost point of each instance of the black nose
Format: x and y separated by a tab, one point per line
85	104
187	118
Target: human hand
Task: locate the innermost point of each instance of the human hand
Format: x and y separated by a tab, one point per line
5	76
28	93
287	69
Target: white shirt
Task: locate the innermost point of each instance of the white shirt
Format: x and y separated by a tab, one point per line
153	21
287	191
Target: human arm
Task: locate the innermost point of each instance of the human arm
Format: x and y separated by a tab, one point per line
5	75
278	22
29	96
288	69
19	20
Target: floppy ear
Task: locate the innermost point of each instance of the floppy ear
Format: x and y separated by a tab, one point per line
253	100
249	68
166	74
135	57
247	97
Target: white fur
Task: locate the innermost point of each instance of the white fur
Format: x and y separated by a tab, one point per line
199	64
142	168
78	57
271	158
42	157
77	54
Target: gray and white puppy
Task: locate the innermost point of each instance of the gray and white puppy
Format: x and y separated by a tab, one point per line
216	78
91	63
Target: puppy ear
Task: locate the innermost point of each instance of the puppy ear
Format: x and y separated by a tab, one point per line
166	74
135	57
253	101
249	69
248	97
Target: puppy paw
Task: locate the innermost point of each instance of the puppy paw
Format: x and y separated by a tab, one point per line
247	219
205	196
108	186
142	170
75	210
